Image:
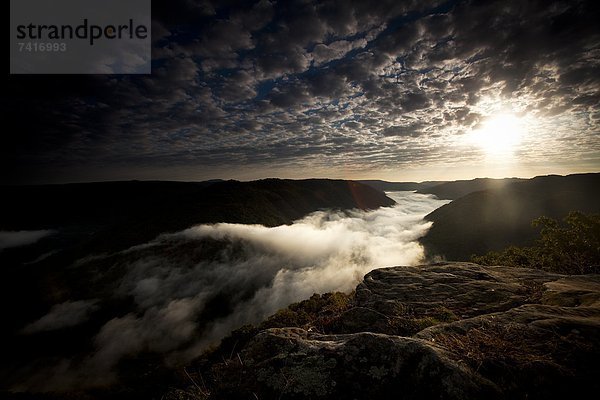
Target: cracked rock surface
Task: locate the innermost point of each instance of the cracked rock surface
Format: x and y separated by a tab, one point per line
442	331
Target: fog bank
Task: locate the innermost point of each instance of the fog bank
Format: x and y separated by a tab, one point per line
10	239
191	288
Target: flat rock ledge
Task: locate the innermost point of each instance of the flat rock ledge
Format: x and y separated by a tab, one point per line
442	331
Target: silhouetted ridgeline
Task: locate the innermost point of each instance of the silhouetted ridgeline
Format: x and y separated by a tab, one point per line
400	186
496	218
456	189
121	214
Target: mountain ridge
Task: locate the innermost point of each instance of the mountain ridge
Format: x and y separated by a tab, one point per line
492	219
132	212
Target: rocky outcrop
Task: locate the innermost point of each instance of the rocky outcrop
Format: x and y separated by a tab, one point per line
305	365
443	331
465	289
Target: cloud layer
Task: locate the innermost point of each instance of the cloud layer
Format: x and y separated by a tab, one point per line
301	86
193	287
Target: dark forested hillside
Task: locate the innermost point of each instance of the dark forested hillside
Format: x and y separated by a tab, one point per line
121	214
96	218
493	219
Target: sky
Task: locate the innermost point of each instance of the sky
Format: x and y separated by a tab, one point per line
394	90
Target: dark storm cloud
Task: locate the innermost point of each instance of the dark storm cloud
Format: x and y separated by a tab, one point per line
411	129
235	80
414	101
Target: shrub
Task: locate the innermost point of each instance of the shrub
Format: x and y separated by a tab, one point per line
570	247
492	344
318	312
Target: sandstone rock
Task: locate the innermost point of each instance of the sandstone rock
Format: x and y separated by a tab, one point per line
464	288
296	364
362	319
442	331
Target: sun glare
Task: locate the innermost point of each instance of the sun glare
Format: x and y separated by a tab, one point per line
499	135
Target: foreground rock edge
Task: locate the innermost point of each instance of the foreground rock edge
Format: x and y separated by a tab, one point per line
505	333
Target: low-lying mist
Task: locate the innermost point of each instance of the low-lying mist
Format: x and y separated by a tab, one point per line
191	288
9	239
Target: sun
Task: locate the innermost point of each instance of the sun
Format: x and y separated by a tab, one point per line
499	135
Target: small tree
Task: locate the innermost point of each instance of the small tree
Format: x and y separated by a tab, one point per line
572	247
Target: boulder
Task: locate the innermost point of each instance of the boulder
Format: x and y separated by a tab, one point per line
292	363
441	331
